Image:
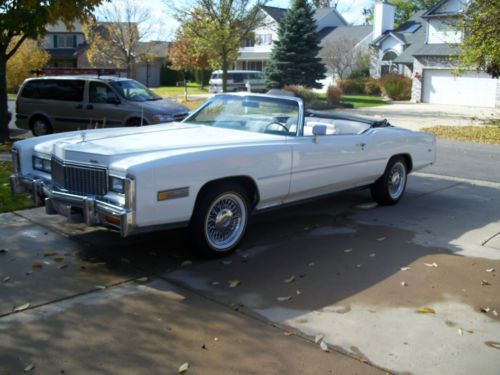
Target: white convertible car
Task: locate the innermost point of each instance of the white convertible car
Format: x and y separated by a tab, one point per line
235	154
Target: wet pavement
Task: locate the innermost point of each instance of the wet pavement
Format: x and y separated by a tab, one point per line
332	271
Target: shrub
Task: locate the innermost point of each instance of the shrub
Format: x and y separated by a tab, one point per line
333	95
372	87
351	86
396	86
307	95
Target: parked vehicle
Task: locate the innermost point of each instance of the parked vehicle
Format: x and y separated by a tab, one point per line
237	80
236	154
64	103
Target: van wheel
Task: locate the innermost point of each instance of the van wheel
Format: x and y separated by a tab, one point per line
41	126
219	220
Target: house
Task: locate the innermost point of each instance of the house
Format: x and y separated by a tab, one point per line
256	51
426	48
67	49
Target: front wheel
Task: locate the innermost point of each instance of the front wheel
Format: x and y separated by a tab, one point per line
389	188
220	219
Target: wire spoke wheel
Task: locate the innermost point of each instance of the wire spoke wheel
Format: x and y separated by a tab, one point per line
397	180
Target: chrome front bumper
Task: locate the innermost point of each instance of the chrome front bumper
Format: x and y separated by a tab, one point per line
93	210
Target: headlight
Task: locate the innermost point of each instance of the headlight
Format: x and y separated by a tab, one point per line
116	184
162	118
41	164
16	165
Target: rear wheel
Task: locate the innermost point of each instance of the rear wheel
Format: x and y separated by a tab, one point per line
40	126
219	220
389	188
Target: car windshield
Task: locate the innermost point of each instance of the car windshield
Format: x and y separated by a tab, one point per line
133	90
249	113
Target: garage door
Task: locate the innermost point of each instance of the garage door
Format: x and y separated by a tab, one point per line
471	88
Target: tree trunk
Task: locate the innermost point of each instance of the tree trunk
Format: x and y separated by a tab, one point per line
4	125
224	73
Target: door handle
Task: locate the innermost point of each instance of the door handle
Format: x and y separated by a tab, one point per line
90	106
362	145
79	106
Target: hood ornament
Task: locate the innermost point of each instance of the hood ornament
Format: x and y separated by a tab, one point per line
84	137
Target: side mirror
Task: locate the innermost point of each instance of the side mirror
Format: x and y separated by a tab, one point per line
319	130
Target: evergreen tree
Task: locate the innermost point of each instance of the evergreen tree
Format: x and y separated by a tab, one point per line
295	56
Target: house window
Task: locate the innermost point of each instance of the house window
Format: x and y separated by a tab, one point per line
64	41
265	39
388	65
254	65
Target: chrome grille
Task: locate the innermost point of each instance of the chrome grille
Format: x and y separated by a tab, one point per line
79	179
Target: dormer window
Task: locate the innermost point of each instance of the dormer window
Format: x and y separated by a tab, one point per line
64	41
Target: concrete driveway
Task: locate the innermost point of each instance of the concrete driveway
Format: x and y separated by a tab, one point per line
423	115
352	276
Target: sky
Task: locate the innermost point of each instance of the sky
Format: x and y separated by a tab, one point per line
163	25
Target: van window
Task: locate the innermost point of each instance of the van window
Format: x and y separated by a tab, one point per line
101	93
54	89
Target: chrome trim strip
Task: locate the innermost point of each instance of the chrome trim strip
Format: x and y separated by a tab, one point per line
336	166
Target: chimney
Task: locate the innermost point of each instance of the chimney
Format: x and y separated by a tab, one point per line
383	18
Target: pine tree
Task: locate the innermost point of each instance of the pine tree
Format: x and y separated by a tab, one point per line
294	58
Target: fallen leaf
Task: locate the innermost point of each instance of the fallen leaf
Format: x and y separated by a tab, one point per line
49	253
288	333
311	264
36	264
485	310
142	279
284	299
490	270
243	255
405	268
323	346
358	265
183	368
226	262
372	254
204	347
30	367
63	266
58	258
100	264
291	279
6	278
347	250
22	307
485	283
216	339
298	292
365	206
403	283
186	263
233	283
318	338
125	260
100	287
460	332
381	238
426	310
433	264
494	312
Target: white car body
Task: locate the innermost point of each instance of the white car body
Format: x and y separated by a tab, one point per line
181	158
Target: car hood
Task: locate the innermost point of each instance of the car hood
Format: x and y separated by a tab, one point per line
164	106
104	146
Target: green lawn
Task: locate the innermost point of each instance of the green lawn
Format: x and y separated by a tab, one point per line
173	91
7	201
360	101
11	96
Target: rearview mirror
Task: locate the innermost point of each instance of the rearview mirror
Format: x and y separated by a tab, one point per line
319	130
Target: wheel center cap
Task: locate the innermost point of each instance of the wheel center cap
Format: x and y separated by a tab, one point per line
223	219
395	179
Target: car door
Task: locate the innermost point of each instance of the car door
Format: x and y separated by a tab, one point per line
332	162
104	108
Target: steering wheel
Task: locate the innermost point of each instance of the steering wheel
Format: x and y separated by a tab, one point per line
276	123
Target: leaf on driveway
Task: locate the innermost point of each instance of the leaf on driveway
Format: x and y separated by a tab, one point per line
216	339
433	264
358	265
298	292
57	258
381	239
63	266
490	270
372	254
494	312
318	338
49	253
403	283
311	264
36	264
186	263
284	299
30	367
233	283
366	206
324	347
485	283
100	287
288	333
289	280
485	309
183	368
405	268
142	279
426	310
460	332
347	250
22	307
6	278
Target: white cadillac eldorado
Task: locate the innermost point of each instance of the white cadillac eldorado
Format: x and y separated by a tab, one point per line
235	154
